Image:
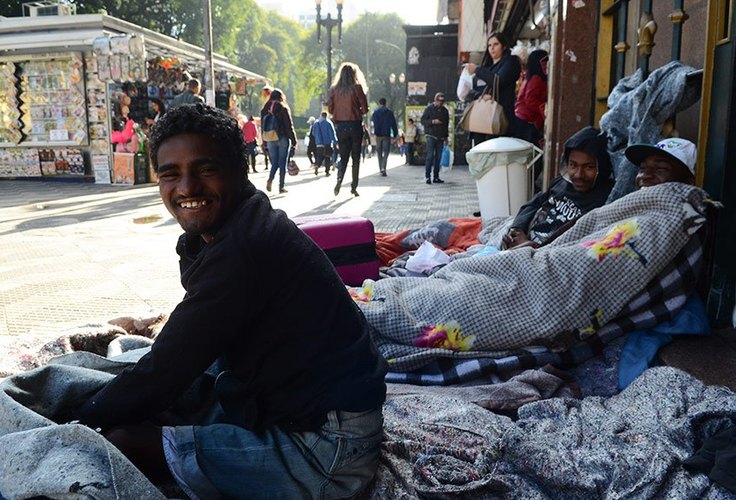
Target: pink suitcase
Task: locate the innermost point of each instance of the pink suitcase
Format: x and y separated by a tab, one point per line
349	242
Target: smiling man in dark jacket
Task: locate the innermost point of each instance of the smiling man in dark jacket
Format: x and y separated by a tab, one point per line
584	185
267	348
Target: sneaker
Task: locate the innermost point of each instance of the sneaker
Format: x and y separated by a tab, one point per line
438	181
282	190
428	181
354	192
268	184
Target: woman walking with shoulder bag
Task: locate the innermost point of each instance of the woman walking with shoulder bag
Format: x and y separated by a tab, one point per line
347	103
277	130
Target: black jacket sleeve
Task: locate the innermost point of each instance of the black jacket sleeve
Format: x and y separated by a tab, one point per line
427	117
526	212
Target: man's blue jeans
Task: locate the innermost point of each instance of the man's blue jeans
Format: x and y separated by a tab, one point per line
434	154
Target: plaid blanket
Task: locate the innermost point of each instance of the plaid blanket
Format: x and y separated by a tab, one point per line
624	266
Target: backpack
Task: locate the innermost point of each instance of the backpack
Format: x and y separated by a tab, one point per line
269	126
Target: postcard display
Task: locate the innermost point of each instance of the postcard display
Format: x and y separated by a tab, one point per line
42	105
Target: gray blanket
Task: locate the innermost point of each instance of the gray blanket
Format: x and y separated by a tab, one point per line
497	305
437	444
40	458
628	446
637	110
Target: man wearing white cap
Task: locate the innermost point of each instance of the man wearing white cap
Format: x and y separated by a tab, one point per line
670	160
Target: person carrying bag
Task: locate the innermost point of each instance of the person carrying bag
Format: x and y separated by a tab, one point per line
485	115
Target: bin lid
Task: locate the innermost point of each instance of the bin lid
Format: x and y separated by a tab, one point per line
500	151
501	145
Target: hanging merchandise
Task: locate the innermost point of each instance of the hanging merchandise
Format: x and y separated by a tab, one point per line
10	125
52	104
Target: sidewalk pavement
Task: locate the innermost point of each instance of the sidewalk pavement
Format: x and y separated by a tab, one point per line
75	253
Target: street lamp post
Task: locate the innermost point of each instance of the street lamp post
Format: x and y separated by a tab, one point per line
397	83
329	23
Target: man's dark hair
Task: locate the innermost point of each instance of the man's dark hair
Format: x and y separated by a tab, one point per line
199	118
193	84
324	114
382	101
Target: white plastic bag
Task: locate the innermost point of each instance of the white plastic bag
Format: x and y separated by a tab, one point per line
426	258
464	84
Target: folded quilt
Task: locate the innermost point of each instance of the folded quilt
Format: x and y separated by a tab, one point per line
551	298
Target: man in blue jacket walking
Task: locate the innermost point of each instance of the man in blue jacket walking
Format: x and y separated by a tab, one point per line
324	140
384	126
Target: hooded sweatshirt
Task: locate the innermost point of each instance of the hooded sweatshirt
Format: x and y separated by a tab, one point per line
547	212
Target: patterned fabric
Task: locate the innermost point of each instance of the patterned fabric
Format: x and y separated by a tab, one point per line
526	308
627	446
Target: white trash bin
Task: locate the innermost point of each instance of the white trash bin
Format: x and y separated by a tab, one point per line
502	168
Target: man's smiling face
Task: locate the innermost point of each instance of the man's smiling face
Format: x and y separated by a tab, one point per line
197	185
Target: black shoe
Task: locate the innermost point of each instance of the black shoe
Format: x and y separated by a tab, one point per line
354	192
476	214
327	174
438	181
337	187
268	184
383	174
428	181
316	170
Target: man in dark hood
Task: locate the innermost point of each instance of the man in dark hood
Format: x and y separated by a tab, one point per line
584	184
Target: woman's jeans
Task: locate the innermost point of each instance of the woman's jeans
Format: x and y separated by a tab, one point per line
279	153
349	139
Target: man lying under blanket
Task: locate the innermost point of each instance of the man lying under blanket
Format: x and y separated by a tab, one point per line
547	298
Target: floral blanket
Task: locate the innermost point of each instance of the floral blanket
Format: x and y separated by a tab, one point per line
514	302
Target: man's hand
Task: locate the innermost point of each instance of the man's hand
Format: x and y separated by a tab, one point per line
515	238
471	68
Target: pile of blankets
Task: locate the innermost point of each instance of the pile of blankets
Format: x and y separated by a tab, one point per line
436	444
626	265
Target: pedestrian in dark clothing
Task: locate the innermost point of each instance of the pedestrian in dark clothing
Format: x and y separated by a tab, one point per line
311	145
386	131
435	119
265	377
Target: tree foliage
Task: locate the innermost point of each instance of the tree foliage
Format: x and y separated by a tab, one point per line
377	60
266	42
